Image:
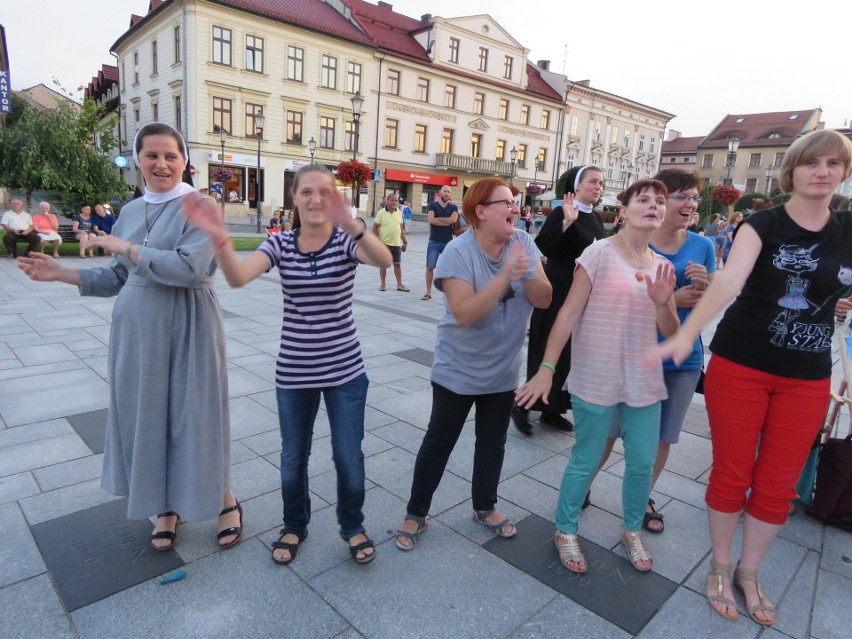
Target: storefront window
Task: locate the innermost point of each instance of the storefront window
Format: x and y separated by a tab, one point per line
232	189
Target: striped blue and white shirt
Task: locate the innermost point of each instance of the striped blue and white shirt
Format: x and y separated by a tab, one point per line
319	343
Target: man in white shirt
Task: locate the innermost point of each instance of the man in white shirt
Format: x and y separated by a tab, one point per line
19	228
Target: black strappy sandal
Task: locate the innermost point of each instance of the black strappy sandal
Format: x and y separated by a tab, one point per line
169	535
234	530
292	548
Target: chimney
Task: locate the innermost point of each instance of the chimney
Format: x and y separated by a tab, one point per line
672	135
426	18
385	5
584	83
544	65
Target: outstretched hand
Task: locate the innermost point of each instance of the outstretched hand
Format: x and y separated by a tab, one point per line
204	215
538	387
40	267
677	348
570	210
660	289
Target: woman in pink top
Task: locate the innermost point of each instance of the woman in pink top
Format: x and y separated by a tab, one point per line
47	228
620	298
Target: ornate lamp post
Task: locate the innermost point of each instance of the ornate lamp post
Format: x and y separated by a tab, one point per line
259	121
513	156
222	136
733	145
357	105
769	170
312	148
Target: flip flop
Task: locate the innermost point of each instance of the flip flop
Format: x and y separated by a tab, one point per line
426	297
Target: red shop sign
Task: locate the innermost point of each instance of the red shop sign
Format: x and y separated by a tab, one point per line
421	178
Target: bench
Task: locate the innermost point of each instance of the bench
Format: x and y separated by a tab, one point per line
66	232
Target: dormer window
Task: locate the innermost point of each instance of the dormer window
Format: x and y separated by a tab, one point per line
794	116
740	120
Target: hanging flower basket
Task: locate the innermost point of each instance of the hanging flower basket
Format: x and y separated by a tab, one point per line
725	194
221	175
536	189
353	171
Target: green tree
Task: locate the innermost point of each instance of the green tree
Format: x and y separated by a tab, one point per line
708	205
55	150
747	201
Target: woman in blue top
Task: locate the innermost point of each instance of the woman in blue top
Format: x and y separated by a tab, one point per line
491	277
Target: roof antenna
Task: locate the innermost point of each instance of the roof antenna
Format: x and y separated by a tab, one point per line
565	58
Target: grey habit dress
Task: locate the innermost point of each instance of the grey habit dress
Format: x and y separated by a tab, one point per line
168	431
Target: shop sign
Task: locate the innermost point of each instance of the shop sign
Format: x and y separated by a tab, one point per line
420	178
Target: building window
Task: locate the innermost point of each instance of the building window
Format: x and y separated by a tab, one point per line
454	50
122	79
542	159
653	145
503	111
155	112
353	77
450	96
779	158
295	63
613	138
222	114
177	44
525	114
294	127
135	67
754	161
420	138
222	46
447	141
478	103
393	82
707	161
349	135
423	89
254	54
626	140
251	124
575	125
391	133
507	67
501	150
599	131
178	114
522	155
570	162
136	116
609	170
475	145
326	132
483	59
641	141
751	185
328	73
545	119
154	60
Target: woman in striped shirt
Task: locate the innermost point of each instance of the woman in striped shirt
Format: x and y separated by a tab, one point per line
320	353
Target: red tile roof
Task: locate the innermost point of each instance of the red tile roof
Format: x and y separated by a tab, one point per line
682	145
537	84
100	83
755	129
389	30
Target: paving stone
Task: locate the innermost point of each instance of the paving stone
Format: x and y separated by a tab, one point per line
264	443
325	485
254	477
799	597
413	408
198	610
250	418
444	606
530	494
69	473
804	530
15	487
43	354
374	418
241	382
460	519
377	393
684	489
837	552
62	501
400	434
832	614
549	438
419	355
561	614
267	399
34	432
91	427
688	614
413	383
41	453
22	403
94	553
241	453
19	554
31	608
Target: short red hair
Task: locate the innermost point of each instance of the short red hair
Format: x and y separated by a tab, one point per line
477	195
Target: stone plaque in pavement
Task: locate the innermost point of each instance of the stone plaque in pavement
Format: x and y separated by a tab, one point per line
97	552
612	588
91	427
419	355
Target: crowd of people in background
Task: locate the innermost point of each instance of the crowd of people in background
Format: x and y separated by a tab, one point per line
614	335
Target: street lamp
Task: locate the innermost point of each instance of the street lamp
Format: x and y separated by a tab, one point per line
733	145
259	121
312	148
769	170
222	135
357	105
513	156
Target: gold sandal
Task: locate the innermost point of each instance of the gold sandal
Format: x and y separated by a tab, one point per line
720	571
568	547
636	551
745	574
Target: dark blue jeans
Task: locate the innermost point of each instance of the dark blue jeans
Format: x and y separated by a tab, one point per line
297	410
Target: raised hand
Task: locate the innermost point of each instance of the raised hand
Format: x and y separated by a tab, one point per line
204	215
40	267
336	209
570	210
661	288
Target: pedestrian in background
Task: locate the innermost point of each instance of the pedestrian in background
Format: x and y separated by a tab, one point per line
389	229
47	227
442	216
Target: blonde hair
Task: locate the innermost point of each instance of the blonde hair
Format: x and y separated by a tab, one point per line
811	145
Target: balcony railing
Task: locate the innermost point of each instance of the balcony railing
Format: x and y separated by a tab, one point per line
474	165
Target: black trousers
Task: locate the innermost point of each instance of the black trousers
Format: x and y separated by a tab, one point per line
11	241
449	412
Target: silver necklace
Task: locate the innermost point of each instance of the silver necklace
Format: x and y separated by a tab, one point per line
149	226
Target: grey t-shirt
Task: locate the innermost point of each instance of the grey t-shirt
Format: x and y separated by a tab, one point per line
485	358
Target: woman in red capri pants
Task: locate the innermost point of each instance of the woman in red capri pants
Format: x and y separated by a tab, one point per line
768	381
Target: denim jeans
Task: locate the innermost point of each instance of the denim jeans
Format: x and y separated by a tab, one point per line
449	412
297	410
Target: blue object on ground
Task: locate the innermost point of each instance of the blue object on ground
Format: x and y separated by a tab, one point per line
178	575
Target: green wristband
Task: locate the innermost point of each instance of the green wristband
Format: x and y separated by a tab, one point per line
548	366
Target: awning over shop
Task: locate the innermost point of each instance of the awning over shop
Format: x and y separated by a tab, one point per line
610	200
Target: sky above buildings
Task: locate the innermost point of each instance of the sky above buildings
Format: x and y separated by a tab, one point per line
699	61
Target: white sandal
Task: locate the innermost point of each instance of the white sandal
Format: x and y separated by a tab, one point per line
636	551
568	547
